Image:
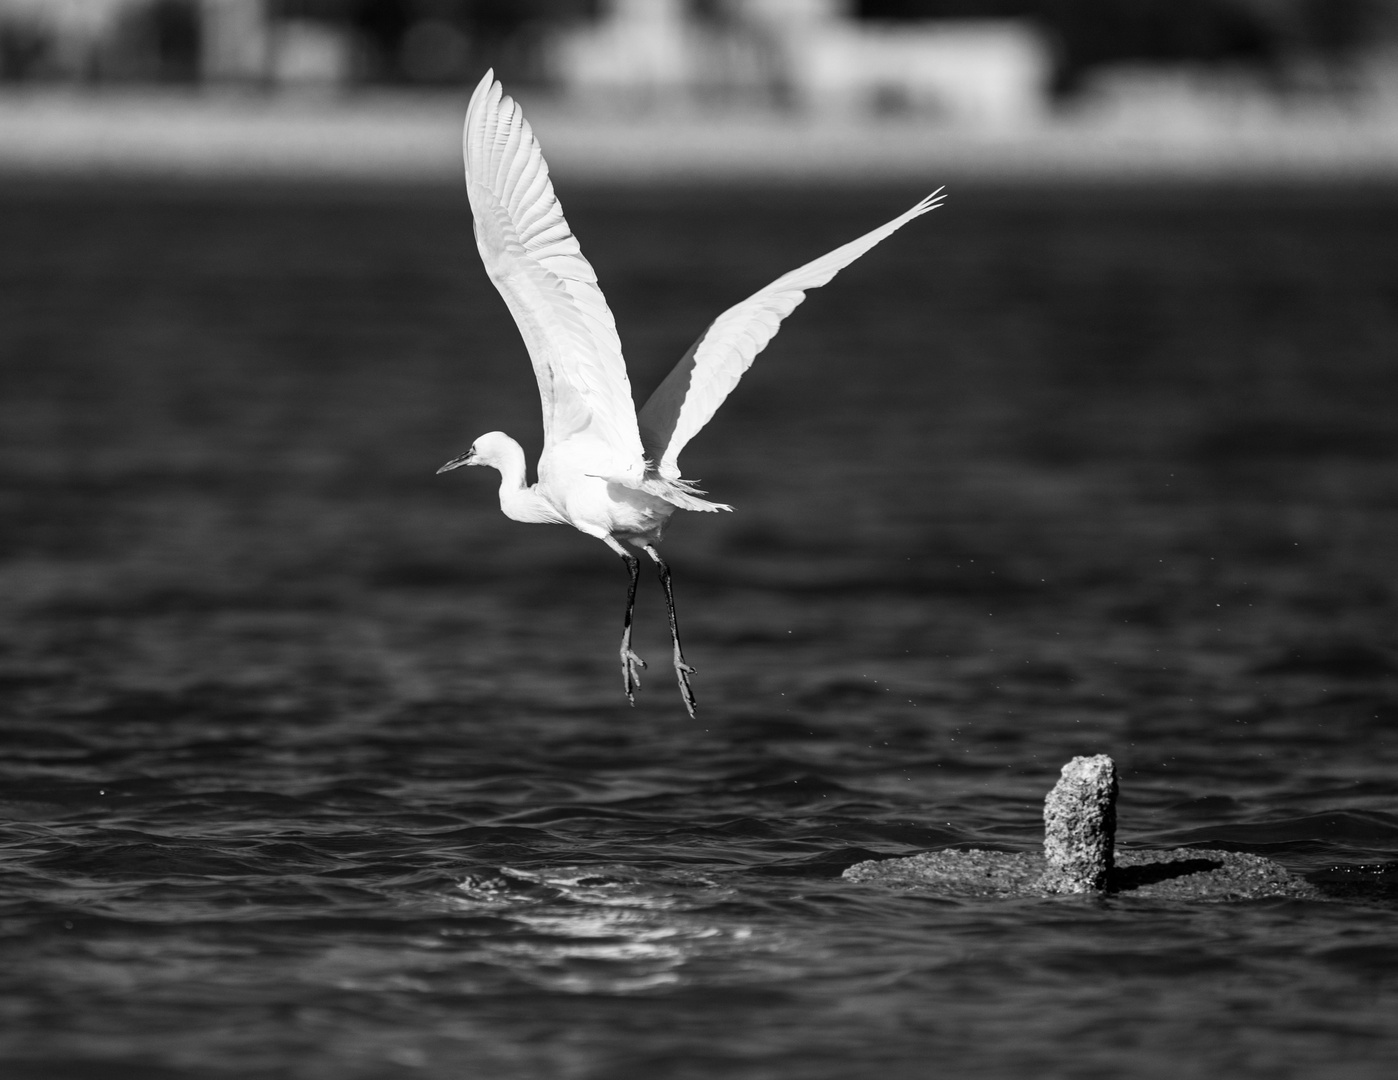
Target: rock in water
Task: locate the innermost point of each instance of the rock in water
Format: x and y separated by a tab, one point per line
957	873
1080	856
1080	826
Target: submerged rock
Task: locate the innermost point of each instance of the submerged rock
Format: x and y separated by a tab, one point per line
1080	856
1176	874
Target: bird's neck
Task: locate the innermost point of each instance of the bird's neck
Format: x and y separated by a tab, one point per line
519	500
526	504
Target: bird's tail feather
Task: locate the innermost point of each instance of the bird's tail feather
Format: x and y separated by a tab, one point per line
679	493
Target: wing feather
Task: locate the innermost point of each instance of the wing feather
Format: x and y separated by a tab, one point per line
690	395
551	290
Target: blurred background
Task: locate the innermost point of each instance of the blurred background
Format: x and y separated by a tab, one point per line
313	765
656	86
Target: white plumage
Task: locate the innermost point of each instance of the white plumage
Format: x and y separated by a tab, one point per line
605	469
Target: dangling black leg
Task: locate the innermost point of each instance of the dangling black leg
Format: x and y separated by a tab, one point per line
682	670
631	664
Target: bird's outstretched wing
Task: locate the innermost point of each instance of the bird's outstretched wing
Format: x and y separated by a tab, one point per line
693	391
534	260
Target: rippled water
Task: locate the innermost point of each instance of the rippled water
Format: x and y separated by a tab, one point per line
312	765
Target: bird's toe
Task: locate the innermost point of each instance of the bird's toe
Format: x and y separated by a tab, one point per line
682	673
631	666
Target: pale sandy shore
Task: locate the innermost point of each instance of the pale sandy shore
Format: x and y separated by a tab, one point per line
415	138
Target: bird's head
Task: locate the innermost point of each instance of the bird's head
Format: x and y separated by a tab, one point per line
491	449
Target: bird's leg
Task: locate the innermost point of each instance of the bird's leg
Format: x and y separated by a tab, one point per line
682	670
630	662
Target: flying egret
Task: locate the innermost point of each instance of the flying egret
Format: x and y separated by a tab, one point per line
606	469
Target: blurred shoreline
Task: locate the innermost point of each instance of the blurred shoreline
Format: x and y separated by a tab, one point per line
414	137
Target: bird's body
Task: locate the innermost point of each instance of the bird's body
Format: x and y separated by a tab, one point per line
606	469
569	492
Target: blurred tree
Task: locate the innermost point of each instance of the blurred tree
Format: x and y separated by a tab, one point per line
159	41
175	39
1090	33
945	9
444	41
1087	34
24	48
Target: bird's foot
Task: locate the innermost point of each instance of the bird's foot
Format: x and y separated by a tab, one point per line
682	673
631	666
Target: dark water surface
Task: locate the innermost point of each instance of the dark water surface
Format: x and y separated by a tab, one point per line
312	765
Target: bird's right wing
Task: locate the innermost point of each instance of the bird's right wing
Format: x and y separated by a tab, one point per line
534	260
696	387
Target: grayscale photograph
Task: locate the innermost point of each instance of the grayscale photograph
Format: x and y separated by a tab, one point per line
698	539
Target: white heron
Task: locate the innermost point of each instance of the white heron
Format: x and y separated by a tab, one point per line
606	469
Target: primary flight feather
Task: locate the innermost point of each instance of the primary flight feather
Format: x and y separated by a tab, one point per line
606	469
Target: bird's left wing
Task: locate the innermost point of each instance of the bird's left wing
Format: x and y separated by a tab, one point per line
534	260
696	387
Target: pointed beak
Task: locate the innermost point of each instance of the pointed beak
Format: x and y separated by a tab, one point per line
468	458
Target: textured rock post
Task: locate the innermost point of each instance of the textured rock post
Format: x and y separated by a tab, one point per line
1080	826
1080	857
